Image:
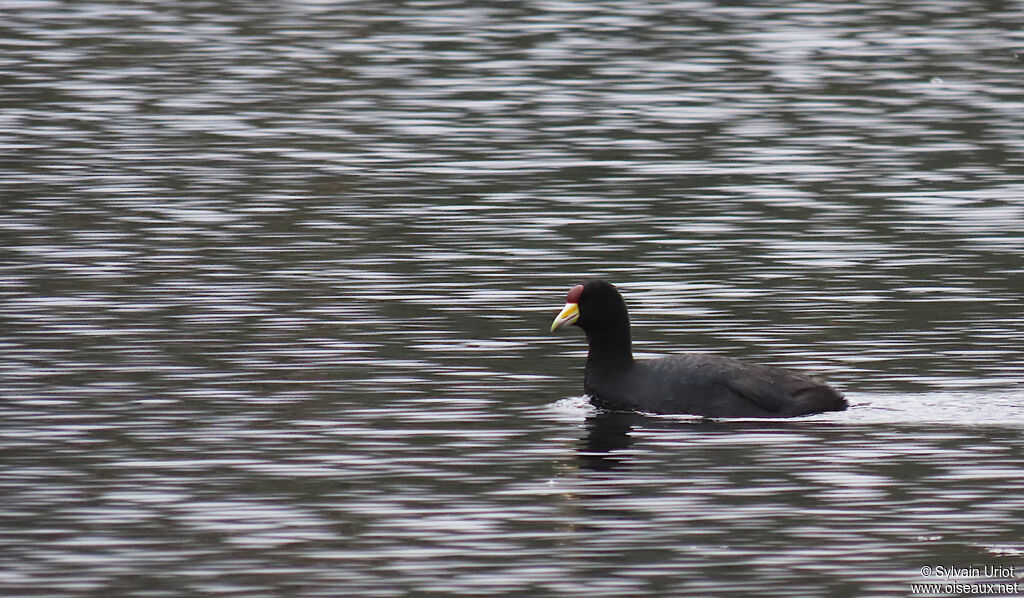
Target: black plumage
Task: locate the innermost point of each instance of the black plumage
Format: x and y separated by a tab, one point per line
695	383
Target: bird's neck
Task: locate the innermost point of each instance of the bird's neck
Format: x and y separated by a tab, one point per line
610	347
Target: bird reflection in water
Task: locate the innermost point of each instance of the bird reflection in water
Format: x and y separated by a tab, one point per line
608	436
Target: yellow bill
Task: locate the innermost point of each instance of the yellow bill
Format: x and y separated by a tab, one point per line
569	314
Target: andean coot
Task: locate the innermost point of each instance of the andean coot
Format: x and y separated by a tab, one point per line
700	384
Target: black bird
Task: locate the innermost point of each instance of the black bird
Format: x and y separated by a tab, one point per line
700	384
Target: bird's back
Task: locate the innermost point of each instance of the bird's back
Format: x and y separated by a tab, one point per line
712	386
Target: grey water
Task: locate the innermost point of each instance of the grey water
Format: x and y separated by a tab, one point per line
276	278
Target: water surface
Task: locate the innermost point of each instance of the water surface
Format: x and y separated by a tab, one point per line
275	283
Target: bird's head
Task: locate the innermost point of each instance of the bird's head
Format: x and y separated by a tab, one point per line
590	305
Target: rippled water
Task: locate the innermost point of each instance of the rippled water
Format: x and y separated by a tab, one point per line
275	282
